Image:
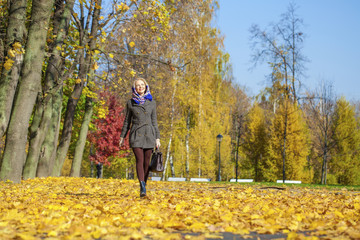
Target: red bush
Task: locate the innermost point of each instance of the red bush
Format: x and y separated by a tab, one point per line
107	136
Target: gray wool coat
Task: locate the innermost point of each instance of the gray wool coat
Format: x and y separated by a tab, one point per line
141	120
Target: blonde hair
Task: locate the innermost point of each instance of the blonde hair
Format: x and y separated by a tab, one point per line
140	79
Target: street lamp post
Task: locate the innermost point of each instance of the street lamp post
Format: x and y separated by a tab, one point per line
219	138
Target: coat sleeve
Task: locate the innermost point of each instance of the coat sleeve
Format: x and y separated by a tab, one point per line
127	121
154	122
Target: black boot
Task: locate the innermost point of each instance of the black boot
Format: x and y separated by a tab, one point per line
142	189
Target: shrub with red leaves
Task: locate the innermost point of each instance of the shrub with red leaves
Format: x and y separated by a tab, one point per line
107	136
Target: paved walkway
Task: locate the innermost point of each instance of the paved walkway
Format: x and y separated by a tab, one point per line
251	236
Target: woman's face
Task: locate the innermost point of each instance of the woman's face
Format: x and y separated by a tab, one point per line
140	87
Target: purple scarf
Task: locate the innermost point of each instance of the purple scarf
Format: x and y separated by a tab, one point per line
141	99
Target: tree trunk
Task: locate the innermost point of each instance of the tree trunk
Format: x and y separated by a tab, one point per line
171	129
68	123
80	144
2	50
172	166
257	168
237	150
15	33
38	112
92	170
85	62
323	170
48	148
325	174
284	142
287	93
43	113
187	145
92	163
293	61
324	166
200	109
199	149
30	85
36	142
167	157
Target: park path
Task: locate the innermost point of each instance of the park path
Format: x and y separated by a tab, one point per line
86	208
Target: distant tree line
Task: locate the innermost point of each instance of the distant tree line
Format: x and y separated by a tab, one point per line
67	67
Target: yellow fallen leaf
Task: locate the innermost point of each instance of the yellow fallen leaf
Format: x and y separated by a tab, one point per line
25	236
230	229
197	226
96	234
52	234
136	236
357	206
292	236
85	208
339	214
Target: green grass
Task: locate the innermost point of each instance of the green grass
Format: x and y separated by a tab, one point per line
305	185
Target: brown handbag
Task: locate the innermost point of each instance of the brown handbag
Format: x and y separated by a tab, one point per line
156	164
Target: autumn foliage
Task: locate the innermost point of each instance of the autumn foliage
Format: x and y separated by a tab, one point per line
106	137
102	46
87	208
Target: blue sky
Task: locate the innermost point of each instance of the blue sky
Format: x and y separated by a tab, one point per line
332	44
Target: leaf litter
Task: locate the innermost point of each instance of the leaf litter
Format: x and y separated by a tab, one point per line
86	208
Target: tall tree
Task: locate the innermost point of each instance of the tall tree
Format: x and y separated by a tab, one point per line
46	108
86	60
15	38
172	113
289	28
239	112
81	141
30	85
282	45
297	148
80	144
256	141
320	107
345	161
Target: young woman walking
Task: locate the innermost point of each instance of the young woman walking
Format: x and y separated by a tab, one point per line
144	133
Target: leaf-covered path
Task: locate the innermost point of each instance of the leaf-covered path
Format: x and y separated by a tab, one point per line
85	208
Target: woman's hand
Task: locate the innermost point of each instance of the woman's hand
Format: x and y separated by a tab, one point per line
157	143
121	142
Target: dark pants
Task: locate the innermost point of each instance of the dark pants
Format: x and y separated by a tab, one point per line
142	162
